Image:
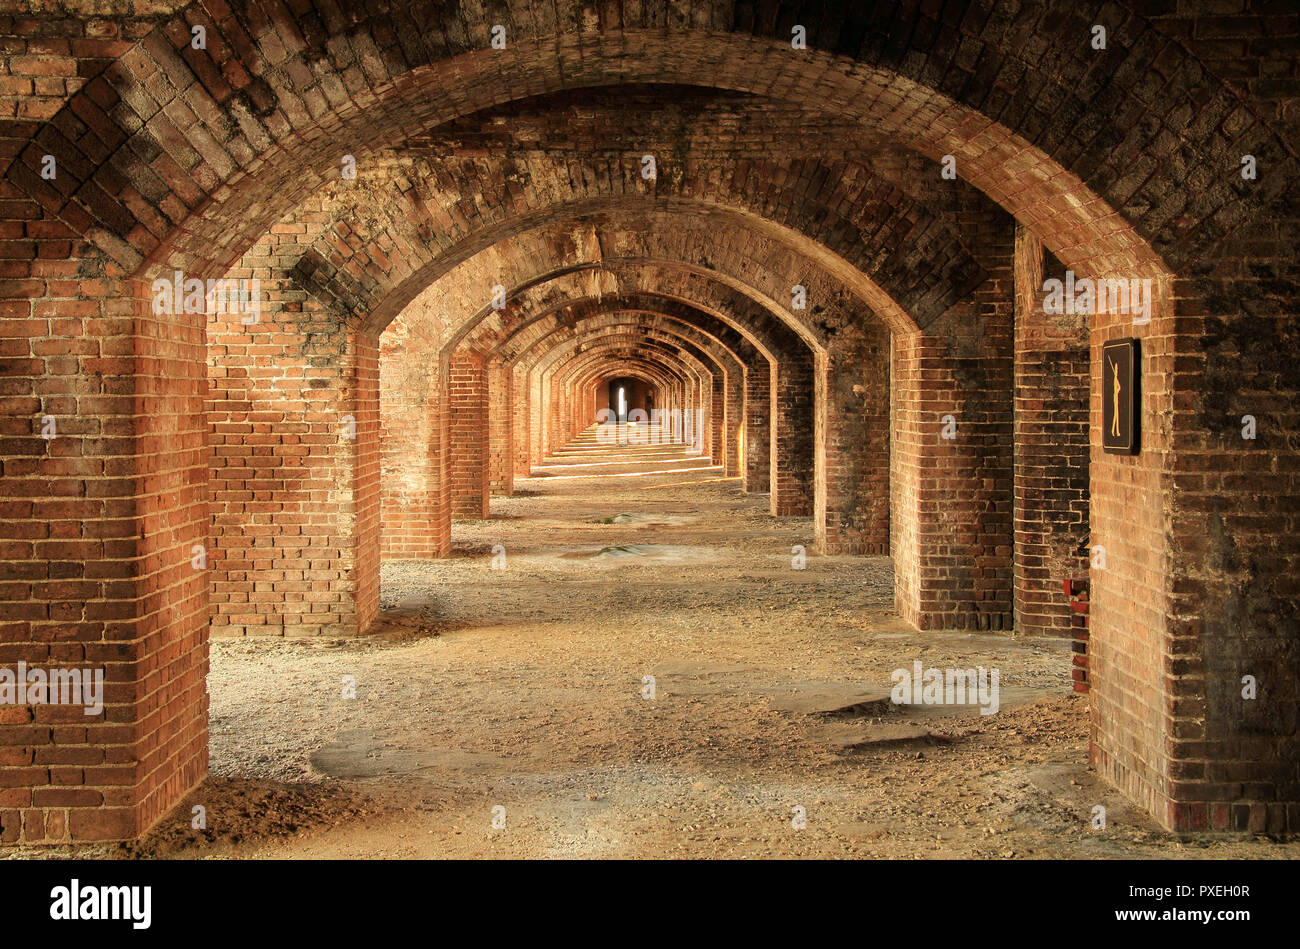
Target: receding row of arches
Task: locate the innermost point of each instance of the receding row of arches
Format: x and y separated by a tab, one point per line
861	336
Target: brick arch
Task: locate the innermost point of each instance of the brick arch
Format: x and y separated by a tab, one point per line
556	334
728	347
437	448
421	325
285	111
581	382
642	366
615	365
656	361
567	360
367	244
782	462
735	250
657	286
724	371
728	335
560	378
545	348
793	493
543	331
563	357
580	370
569	298
656	326
788	473
423	332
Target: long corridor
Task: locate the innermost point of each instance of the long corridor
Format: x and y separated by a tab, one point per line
638	663
528	687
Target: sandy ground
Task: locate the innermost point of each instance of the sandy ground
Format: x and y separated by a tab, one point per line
519	696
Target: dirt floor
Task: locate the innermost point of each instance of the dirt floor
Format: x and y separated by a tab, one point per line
520	694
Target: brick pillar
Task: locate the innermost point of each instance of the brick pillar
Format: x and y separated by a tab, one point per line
705	429
577	409
415	484
549	416
294	480
793	435
1050	506
536	418
103	520
501	467
758	441
951	460
559	430
1198	589
1138	669
520	391
572	412
360	519
717	418
596	401
468	420
852	439
735	408
162	645
1231	504
695	415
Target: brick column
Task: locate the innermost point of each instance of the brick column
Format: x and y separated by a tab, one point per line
717	419
103	533
793	434
536	413
360	519
521	397
731	460
467	408
852	442
951	459
1231	507
757	464
415	443
501	468
293	411
1051	449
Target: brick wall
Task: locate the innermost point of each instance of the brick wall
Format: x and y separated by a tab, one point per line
1051	448
291	410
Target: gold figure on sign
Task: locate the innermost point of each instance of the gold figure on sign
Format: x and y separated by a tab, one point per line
1114	419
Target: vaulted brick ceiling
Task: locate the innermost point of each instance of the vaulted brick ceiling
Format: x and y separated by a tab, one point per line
561	157
820	176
